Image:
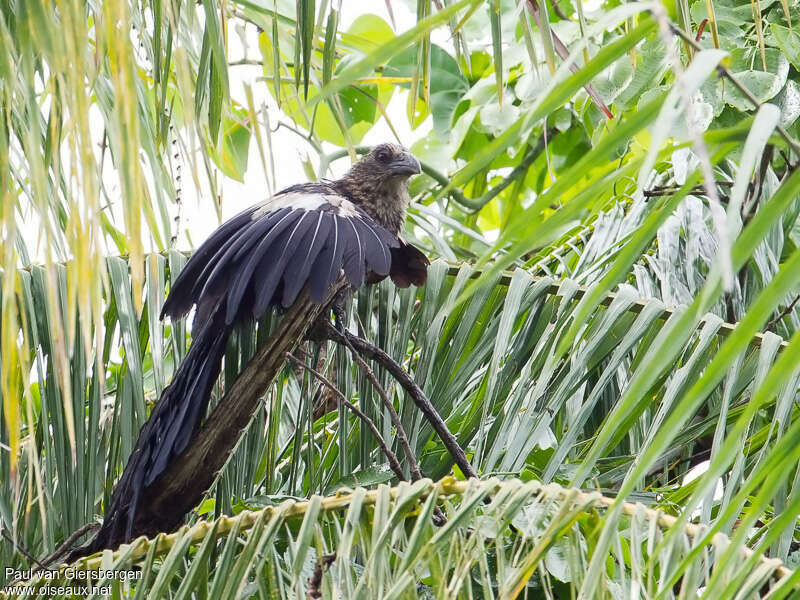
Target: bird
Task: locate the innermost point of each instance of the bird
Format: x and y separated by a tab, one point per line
305	237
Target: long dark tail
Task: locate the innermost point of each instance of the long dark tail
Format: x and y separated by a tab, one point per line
171	426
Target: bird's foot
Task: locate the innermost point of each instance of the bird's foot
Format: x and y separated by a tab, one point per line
320	330
339	313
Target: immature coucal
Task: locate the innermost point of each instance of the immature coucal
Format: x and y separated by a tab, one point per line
305	237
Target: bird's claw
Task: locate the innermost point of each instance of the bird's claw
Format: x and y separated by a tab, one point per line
339	309
339	318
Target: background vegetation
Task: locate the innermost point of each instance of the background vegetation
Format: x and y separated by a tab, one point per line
642	352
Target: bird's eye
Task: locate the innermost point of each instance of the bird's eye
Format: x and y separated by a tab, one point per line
383	155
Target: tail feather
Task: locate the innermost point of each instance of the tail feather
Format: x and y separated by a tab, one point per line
172	424
186	403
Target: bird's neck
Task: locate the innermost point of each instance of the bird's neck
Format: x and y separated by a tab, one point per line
385	201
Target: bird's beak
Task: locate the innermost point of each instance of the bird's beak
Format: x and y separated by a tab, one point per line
405	165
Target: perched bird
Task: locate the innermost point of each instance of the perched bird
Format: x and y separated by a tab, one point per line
303	238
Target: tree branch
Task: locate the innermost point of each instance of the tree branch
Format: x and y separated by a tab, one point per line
387	402
394	463
407	382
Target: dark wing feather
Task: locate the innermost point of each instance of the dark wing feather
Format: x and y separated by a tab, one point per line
270	271
376	250
294	279
325	269
241	280
305	236
220	280
409	266
353	257
179	304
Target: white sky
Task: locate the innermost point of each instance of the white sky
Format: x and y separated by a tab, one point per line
198	215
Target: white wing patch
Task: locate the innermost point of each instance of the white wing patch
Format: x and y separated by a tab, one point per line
305	201
344	206
294	200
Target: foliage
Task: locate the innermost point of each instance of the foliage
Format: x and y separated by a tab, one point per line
649	324
299	549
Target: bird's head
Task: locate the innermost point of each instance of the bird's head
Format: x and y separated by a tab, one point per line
385	164
389	161
379	183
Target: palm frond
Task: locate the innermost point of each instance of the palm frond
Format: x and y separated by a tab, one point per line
501	537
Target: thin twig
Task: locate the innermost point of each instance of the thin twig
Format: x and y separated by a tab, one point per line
20	549
558	10
563	52
439	518
250	62
782	314
311	141
789	166
381	108
67	544
700	29
724	72
401	433
315	582
394	463
667	190
407	382
531	154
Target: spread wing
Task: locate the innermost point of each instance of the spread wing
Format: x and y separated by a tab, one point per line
264	256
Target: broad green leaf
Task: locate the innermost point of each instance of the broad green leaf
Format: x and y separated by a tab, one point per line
364	66
448	85
789	43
